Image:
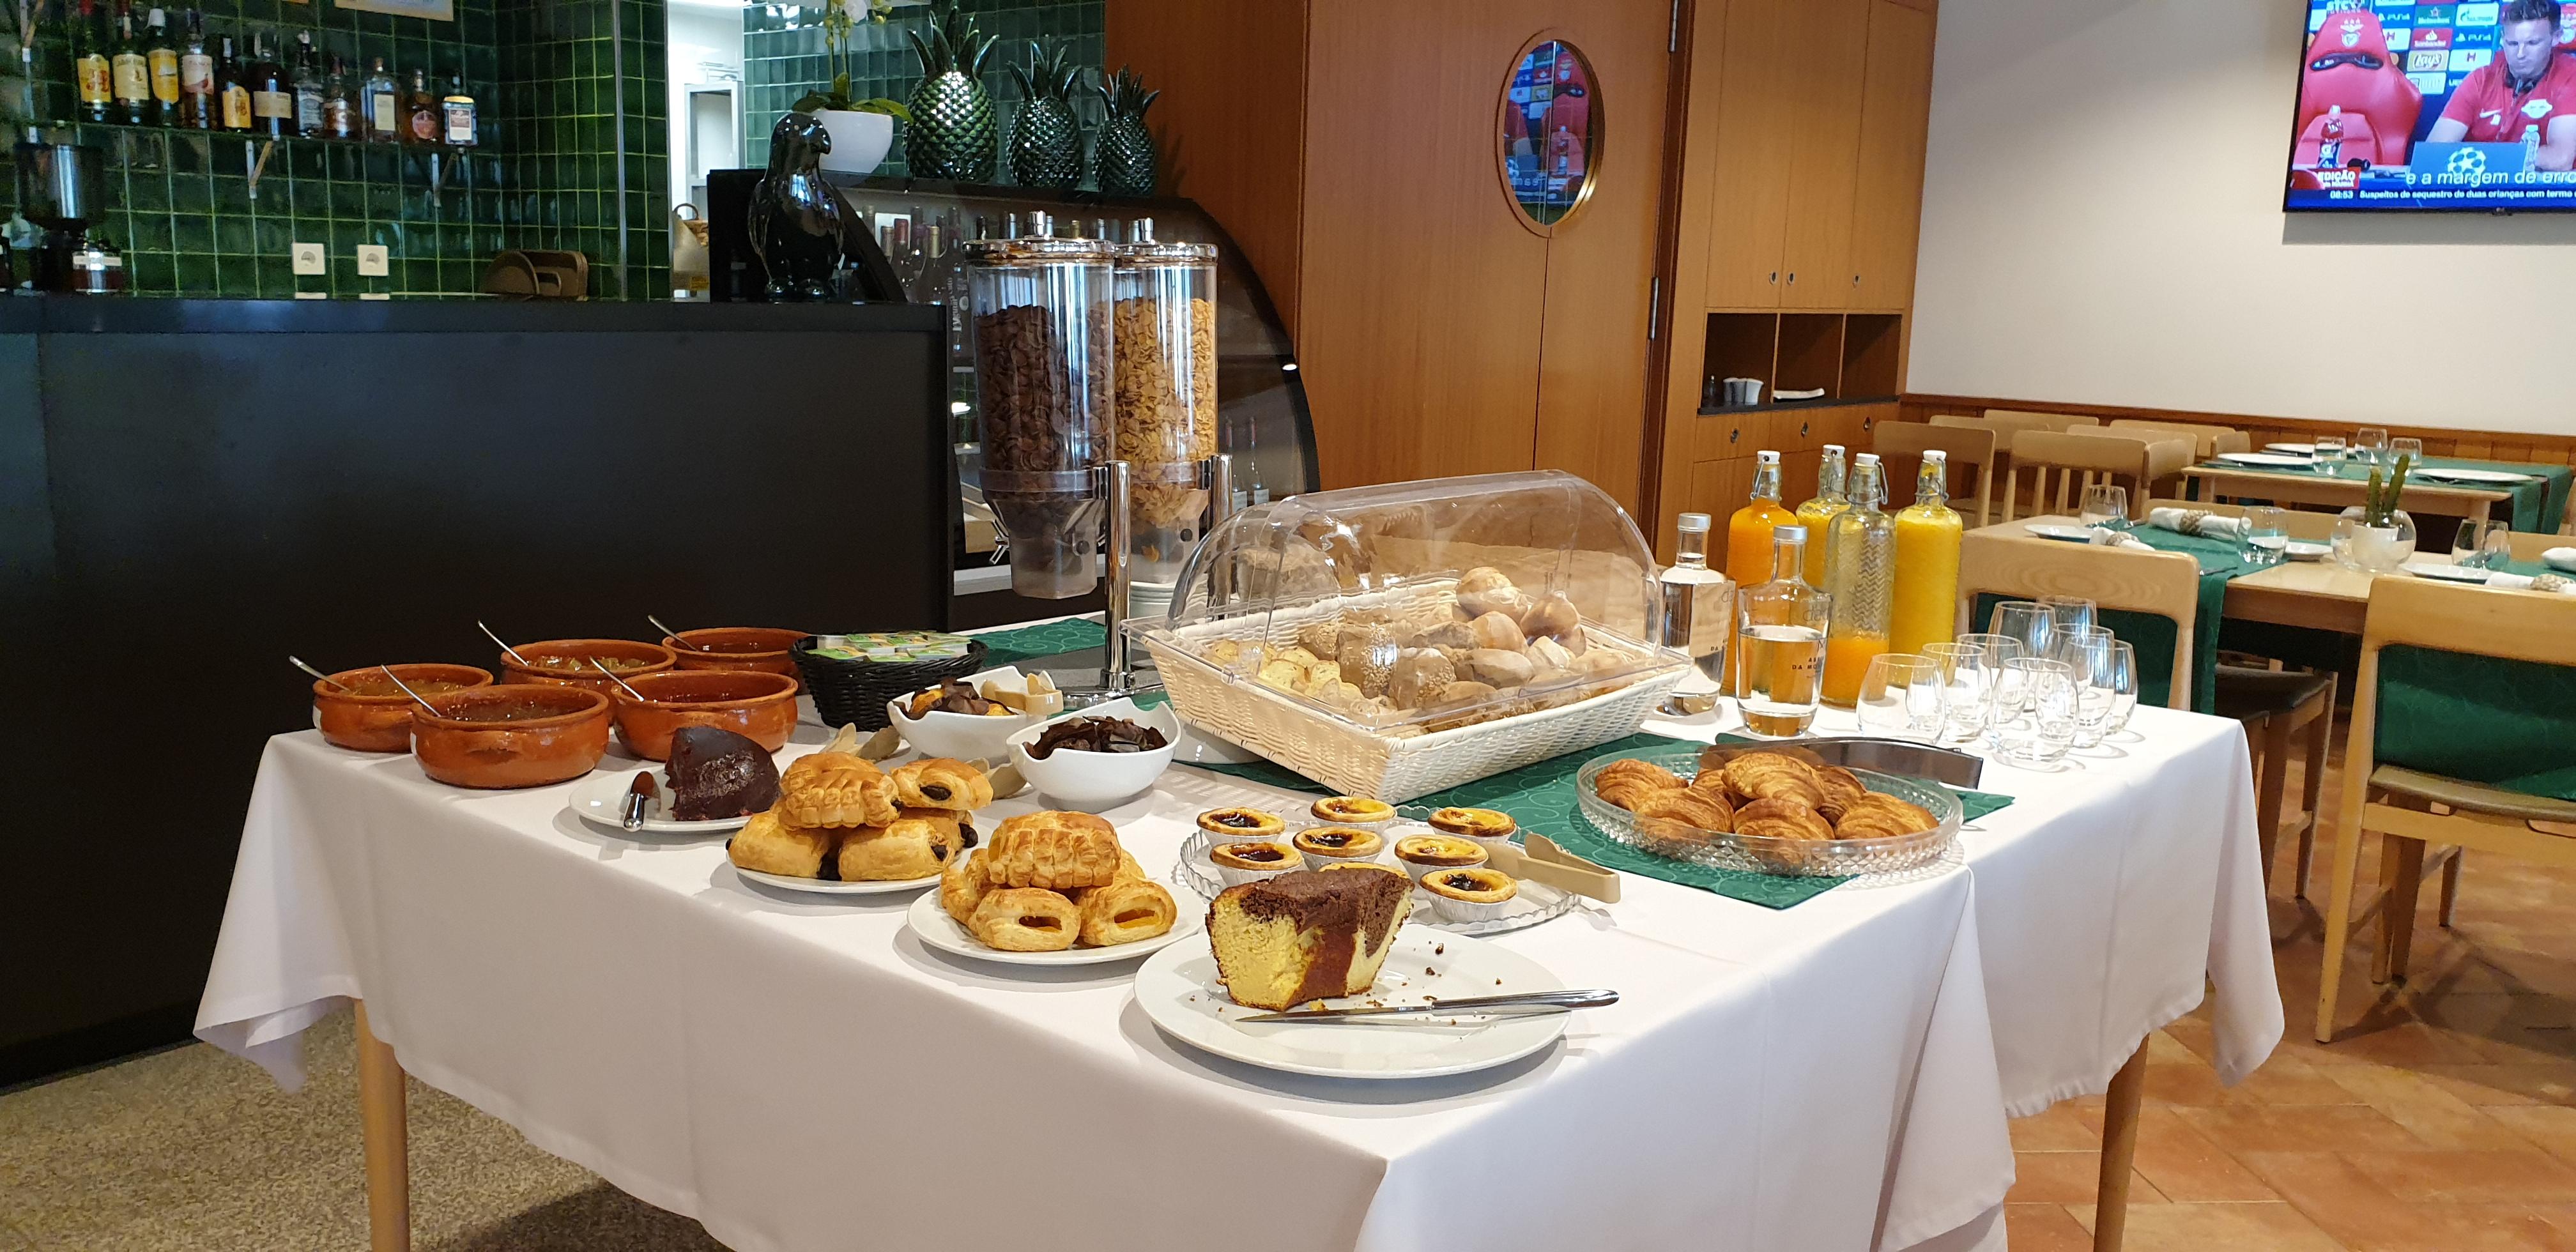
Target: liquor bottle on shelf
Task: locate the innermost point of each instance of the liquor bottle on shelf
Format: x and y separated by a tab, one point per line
340	105
1817	514
197	106
384	105
91	73
309	87
1780	642
1927	562
1860	574
161	62
458	109
129	74
1748	533
272	92
1699	603
232	91
420	111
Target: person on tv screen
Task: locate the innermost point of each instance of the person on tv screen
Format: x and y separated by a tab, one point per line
2526	95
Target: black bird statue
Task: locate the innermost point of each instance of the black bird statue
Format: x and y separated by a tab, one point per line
809	240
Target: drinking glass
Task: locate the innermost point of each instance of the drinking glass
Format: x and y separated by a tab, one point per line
2027	624
2369	444
2104	503
2042	731
2068	612
2069	640
2497	551
2468	549
2413	448
2266	536
2329	455
2090	659
1900	697
2124	696
1966	673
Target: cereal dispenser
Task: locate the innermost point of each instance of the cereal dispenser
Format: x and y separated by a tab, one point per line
1165	399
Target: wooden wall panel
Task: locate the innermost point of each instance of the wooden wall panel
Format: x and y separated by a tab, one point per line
1232	119
1896	112
1831	39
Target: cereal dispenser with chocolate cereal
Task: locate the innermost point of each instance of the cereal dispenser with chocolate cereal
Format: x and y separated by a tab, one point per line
1043	371
1165	397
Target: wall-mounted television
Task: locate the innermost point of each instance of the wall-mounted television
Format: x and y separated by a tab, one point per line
2436	107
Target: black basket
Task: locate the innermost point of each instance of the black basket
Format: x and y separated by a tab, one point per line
854	693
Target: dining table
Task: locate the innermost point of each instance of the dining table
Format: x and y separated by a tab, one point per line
2535	503
801	1072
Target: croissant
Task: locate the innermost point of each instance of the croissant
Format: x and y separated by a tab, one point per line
1769	775
1696	809
1782	819
768	845
1878	816
962	887
1125	911
910	848
1631	782
1026	919
1840	787
940	783
1053	849
835	789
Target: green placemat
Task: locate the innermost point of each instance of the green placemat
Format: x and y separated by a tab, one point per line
2152	635
2536	506
1010	647
1542	797
2482	719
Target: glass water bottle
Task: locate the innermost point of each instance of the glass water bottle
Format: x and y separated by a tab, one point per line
1780	642
1817	515
1927	562
1699	603
1860	574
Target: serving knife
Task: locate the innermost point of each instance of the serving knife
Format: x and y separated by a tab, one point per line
1523	1004
638	801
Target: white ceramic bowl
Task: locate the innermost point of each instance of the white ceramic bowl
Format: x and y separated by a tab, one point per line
964	736
1091	781
2560	559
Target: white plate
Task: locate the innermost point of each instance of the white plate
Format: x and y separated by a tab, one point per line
1179	992
2272	459
2307	550
2447	573
2474	476
2293	449
827	887
599	799
2063	534
941	931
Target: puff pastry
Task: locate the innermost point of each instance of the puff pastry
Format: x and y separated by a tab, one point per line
1878	816
940	783
1840	787
1052	849
907	849
962	887
835	788
1697	809
769	845
1125	911
1769	775
1026	919
1782	819
1631	782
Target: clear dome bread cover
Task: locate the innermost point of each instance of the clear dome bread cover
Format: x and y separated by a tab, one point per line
1423	606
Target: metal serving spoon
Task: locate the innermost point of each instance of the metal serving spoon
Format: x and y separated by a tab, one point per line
674	636
298	662
612	677
406	690
514	652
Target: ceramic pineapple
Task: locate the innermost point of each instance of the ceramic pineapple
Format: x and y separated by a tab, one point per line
1126	152
1046	138
951	135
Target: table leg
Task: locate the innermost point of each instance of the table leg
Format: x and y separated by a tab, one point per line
383	1126
2119	1150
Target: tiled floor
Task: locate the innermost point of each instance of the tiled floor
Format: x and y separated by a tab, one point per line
2443	1117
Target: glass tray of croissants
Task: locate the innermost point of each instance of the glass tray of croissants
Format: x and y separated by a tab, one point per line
1768	812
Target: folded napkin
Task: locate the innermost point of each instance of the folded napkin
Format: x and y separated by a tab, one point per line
2105	537
2559	583
2197	522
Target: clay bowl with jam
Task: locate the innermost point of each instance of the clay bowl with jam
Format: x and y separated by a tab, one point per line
759	648
566	662
511	735
759	707
374	715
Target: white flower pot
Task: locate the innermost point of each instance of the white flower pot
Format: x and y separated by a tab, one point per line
859	140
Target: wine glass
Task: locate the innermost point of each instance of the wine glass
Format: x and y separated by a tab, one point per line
2468	549
2368	445
2104	504
1900	697
2329	455
2411	449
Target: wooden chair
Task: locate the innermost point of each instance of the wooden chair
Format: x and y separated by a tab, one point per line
2166	584
2098	457
2207	441
2299	523
1900	447
2042	421
2528	547
2411	809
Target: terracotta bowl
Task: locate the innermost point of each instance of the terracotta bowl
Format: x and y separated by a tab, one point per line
512	735
655	659
758	648
382	723
759	707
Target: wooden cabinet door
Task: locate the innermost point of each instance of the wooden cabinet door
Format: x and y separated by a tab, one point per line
1757	103
1830	51
1896	110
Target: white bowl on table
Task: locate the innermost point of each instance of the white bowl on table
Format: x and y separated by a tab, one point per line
1092	781
962	736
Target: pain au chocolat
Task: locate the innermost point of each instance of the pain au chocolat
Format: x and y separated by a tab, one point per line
1305	936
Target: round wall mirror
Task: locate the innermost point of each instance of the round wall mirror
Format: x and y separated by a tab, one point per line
1551	131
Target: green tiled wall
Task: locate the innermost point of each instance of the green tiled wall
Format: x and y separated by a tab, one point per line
560	63
784	56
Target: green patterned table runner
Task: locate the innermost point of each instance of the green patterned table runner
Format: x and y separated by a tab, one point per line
2508	724
1010	647
2537	505
1542	797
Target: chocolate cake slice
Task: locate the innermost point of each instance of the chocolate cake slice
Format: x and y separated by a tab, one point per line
1307	935
717	773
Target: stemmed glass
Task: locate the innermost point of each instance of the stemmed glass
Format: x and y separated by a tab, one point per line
2368	445
2105	504
2329	455
1901	697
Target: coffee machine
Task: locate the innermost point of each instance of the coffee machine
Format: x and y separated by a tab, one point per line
62	189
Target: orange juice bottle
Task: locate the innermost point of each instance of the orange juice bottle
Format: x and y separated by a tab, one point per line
1748	533
1860	560
1927	562
1817	515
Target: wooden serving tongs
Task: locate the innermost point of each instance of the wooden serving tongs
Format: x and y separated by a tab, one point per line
1540	860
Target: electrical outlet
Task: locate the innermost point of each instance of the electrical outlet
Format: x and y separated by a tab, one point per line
308	258
372	262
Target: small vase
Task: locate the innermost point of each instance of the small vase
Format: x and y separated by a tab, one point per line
2374	549
859	140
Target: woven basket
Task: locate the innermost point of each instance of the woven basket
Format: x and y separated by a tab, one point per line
1356	761
854	693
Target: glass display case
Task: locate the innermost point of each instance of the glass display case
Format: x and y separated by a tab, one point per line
1395	640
